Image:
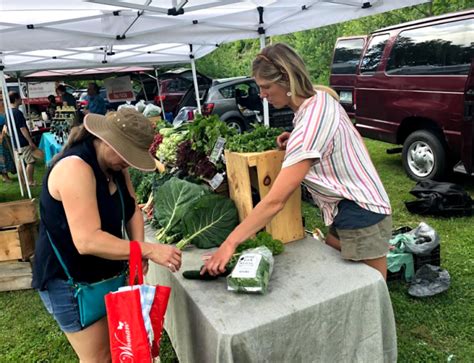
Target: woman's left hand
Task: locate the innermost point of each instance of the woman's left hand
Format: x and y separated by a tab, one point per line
216	264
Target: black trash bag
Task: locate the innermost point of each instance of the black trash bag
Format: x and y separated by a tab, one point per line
440	199
429	281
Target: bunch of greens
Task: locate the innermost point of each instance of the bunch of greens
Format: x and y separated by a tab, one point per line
208	223
186	210
252	272
145	188
194	162
161	124
262	239
136	177
172	200
205	130
261	138
167	150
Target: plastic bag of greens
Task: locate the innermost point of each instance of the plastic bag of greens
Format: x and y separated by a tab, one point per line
252	271
151	110
140	106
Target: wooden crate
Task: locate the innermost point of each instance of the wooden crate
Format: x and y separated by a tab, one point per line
15	275
18	212
18	242
154	120
260	170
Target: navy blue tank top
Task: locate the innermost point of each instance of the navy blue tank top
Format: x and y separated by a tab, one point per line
83	268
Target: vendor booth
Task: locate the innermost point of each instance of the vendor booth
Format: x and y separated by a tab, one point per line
318	307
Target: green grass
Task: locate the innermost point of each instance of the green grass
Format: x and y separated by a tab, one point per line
429	330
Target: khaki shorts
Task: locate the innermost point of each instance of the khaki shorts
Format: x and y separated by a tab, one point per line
27	154
365	243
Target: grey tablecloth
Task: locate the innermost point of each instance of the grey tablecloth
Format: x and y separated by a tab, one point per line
319	308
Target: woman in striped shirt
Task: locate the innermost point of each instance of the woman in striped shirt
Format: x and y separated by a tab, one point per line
326	153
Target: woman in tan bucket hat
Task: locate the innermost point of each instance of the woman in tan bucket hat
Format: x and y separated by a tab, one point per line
86	195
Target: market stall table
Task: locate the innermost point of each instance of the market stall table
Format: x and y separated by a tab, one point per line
50	146
319	308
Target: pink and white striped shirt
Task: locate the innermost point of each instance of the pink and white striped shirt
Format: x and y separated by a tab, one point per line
342	167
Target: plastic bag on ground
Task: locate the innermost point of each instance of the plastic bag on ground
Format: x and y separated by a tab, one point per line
429	280
419	241
151	110
125	105
140	106
398	260
252	272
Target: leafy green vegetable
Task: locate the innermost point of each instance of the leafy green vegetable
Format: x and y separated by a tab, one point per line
172	200
136	177
252	272
205	130
208	223
261	138
263	239
144	188
168	148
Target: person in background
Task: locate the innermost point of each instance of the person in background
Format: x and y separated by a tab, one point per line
86	199
26	146
327	154
6	160
95	103
51	109
67	99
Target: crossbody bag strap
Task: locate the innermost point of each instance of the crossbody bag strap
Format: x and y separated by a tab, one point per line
60	259
123	209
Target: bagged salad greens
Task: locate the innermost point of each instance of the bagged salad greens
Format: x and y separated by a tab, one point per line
252	271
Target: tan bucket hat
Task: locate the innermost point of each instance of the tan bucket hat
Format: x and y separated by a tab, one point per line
128	133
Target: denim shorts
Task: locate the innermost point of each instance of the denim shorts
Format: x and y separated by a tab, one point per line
59	300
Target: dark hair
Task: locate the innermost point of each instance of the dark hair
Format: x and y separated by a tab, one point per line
14	96
96	87
78	135
52	98
61	88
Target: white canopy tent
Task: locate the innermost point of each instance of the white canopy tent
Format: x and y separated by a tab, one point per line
58	34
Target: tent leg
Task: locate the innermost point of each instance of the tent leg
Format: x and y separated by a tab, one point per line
196	86
159	93
12	129
266	113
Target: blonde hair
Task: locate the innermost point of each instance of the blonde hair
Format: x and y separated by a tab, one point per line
328	90
279	63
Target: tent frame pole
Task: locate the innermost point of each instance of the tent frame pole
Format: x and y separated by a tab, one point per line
195	80
20	164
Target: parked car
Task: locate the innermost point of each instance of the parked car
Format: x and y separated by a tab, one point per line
409	84
237	102
174	84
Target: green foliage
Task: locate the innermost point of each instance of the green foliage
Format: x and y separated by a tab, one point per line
136	177
208	223
316	45
144	189
262	239
172	200
261	138
205	130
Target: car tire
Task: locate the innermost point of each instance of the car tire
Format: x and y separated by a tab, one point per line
236	124
424	156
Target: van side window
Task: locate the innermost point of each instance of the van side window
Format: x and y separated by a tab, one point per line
373	55
347	55
444	49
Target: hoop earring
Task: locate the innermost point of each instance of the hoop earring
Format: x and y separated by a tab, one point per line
289	94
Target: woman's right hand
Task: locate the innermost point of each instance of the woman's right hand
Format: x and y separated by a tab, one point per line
164	255
282	140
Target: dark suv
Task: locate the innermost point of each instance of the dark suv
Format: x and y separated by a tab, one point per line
412	84
237	102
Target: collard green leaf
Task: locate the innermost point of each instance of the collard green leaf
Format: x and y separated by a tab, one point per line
209	222
172	200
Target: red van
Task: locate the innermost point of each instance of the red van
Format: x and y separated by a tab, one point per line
411	84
